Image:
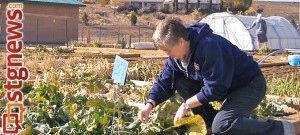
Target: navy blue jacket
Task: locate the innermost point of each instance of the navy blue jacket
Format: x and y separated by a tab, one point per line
215	61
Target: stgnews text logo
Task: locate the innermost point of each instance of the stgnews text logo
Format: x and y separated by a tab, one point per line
16	72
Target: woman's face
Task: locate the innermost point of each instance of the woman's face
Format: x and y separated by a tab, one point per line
179	50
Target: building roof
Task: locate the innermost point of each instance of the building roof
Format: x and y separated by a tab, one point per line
50	2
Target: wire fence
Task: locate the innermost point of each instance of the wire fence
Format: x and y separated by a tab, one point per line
111	35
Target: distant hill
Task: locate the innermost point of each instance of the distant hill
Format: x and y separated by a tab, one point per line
108	16
288	10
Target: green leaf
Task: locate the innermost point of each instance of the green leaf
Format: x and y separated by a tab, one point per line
54	130
104	120
134	124
156	129
29	131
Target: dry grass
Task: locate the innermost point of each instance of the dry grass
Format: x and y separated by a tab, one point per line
2	61
114	18
108	16
32	63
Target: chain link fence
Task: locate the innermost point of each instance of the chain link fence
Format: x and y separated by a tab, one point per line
111	35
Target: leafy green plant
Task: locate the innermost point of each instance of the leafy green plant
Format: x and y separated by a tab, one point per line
142	93
41	49
250	11
267	109
75	98
55	112
145	70
85	19
288	86
27	87
132	18
195	124
195	14
96	43
265	51
78	43
57	50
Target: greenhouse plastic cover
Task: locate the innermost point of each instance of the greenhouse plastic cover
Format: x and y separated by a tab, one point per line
281	33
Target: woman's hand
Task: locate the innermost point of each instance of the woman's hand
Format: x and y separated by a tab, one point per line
143	115
181	112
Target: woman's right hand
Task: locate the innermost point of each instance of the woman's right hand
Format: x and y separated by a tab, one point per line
143	115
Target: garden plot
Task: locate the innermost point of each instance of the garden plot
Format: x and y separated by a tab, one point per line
72	96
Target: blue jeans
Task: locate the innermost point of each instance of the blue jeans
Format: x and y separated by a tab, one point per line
233	117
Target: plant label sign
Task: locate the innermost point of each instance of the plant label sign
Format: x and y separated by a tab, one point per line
120	69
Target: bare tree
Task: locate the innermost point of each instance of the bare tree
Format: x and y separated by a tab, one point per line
210	5
198	5
221	5
186	6
176	5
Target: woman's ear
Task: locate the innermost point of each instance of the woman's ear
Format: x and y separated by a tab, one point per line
181	41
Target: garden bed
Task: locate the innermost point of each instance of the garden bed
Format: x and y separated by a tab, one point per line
77	96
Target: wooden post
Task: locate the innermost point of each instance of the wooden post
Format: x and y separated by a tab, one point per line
139	33
67	36
99	33
88	37
37	31
119	33
82	28
53	33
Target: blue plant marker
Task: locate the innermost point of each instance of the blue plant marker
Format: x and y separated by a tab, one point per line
120	69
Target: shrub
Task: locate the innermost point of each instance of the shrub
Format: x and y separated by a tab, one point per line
259	10
159	16
181	11
57	50
132	18
96	43
121	8
265	51
250	11
149	9
133	8
101	21
165	10
85	18
240	5
294	23
78	43
145	17
195	14
41	48
140	12
103	2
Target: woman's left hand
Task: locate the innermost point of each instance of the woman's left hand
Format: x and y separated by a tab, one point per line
181	112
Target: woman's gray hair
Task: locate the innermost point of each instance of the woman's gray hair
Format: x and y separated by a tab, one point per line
169	32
